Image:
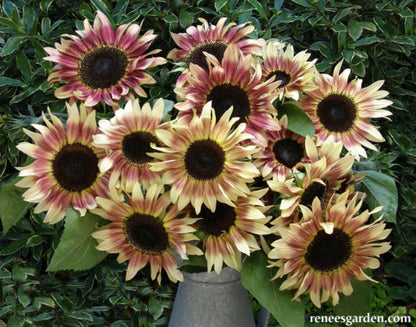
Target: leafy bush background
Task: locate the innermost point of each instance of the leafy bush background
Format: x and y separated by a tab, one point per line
375	38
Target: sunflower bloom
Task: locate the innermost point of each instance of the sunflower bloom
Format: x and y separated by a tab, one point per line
127	138
343	109
204	161
144	230
294	72
65	171
323	176
103	64
212	39
328	248
229	231
284	153
235	81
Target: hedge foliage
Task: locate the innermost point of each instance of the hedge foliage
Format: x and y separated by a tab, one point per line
375	38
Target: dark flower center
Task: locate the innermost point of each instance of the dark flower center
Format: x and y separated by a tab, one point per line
204	159
288	152
226	95
146	233
75	167
314	190
328	252
197	57
103	67
337	113
281	76
136	145
218	222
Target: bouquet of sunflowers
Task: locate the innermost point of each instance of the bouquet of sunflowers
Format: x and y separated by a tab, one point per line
256	154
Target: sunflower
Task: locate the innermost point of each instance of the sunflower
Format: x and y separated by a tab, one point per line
294	72
212	39
284	153
146	229
204	161
343	109
236	82
127	138
65	171
103	64
229	231
328	248
323	176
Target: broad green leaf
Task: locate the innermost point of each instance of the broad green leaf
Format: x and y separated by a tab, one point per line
12	205
185	18
24	65
298	121
381	191
76	249
358	303
255	277
354	29
7	81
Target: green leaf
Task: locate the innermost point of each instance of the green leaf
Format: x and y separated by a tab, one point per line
303	3
358	69
259	8
29	17
7	81
15	246
42	300
354	29
155	308
220	4
24	65
12	44
12	205
102	6
348	55
44	5
358	303
185	18
298	121
76	249
381	191
255	277
367	41
10	23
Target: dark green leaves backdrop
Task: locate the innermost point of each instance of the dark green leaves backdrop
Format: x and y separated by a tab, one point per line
376	39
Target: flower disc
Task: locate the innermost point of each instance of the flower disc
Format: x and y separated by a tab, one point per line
146	233
337	113
103	67
204	159
328	252
136	145
75	167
